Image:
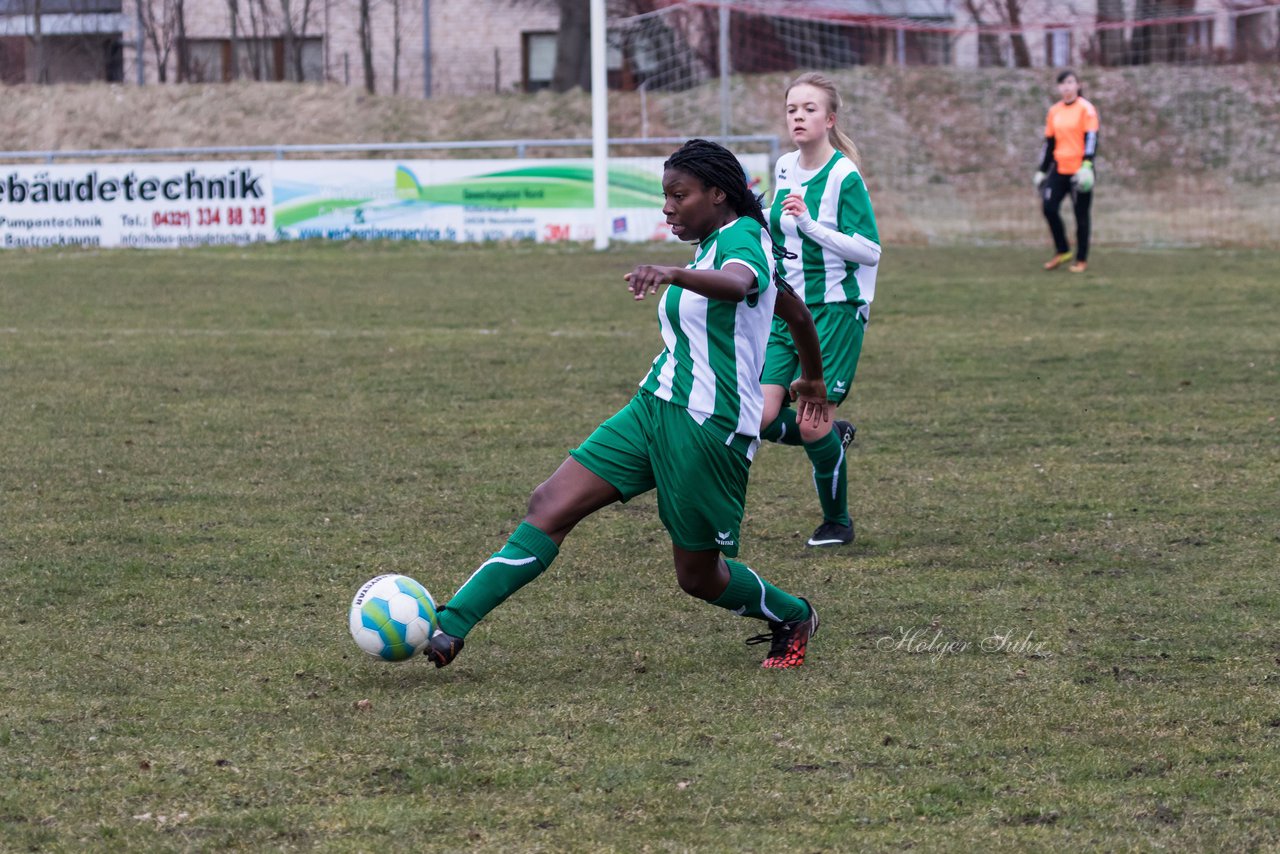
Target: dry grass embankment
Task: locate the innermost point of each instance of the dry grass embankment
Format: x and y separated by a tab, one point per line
1188	155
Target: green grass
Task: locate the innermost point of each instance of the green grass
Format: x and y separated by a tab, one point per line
204	453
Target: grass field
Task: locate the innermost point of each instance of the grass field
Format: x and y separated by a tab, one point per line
1056	631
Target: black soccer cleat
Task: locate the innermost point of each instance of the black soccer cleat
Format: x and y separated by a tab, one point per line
832	534
442	648
788	642
847	433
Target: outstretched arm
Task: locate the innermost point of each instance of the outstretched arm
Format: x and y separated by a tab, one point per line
731	284
810	392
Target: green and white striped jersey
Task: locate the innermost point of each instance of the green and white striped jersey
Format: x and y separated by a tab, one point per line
837	199
715	349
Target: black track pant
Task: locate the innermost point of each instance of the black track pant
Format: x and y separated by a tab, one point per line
1056	188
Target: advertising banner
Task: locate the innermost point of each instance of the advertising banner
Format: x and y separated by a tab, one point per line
472	200
162	205
170	205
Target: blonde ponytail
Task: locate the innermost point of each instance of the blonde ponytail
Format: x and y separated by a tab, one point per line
840	140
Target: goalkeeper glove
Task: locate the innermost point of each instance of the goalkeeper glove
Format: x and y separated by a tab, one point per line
1039	179
1084	178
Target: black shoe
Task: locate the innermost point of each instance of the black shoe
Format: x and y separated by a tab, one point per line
442	648
788	642
847	432
832	534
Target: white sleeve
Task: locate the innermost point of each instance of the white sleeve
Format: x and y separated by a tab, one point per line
849	247
744	263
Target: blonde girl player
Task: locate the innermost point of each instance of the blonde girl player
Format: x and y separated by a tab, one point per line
691	430
828	249
1066	167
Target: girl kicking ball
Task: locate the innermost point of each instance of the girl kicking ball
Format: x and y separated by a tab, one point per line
692	428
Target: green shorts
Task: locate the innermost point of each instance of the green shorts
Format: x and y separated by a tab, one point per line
701	482
840	329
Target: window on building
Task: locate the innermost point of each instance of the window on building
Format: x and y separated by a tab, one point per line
1057	48
1199	40
204	60
212	60
539	60
993	51
928	47
917	47
13	60
311	53
1255	35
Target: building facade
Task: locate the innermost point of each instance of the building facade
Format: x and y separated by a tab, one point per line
415	48
424	48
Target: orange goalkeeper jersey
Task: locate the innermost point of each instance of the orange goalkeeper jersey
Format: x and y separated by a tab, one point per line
1074	130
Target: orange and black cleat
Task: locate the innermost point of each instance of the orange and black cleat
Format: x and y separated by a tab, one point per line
788	642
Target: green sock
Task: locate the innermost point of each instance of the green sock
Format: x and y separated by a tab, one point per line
527	553
784	430
749	595
830	477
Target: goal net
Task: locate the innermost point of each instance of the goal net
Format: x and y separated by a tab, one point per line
948	107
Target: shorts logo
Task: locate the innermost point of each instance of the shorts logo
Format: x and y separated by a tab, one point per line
842	385
723	538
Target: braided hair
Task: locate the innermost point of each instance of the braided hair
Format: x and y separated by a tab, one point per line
716	166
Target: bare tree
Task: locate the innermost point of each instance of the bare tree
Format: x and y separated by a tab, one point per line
395	47
1111	47
164	28
294	27
233	8
184	50
366	46
250	20
1006	13
258	59
573	47
1021	55
35	10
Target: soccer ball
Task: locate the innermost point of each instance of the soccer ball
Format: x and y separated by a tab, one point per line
392	617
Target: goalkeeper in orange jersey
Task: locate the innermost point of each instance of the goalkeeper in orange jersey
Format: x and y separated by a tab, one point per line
1066	167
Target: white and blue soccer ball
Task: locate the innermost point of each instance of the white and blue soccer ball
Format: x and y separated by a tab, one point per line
392	617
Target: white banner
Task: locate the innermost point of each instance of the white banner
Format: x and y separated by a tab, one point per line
168	205
138	204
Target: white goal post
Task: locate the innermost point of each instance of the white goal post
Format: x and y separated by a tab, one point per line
599	125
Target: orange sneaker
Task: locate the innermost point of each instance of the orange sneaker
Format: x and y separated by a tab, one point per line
788	642
1057	261
1078	267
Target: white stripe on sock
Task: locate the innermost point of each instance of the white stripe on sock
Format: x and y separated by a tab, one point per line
496	559
835	477
763	610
